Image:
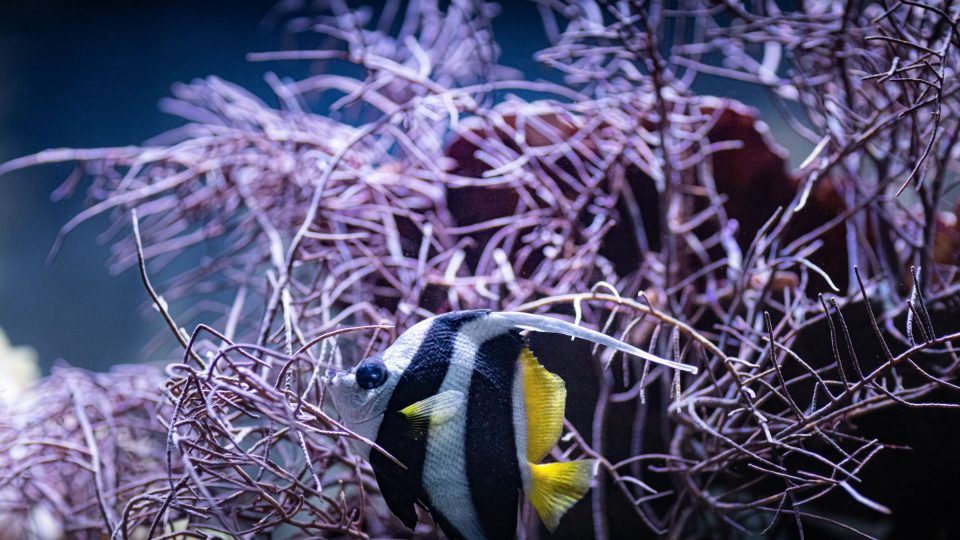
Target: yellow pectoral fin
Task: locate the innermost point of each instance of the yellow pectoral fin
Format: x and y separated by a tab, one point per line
438	408
545	396
556	487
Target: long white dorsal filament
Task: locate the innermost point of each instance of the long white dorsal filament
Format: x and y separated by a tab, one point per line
542	323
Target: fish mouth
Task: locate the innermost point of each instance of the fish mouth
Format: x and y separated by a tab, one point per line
329	377
346	406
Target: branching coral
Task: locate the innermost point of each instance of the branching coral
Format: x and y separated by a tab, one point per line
622	198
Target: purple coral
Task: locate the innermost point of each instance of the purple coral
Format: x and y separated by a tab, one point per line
623	199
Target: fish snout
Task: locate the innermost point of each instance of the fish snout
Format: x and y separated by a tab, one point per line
331	375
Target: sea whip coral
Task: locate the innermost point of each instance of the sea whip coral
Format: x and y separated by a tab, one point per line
622	199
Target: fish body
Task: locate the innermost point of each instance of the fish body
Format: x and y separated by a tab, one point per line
468	410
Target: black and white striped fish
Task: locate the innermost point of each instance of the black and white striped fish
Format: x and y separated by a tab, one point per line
470	412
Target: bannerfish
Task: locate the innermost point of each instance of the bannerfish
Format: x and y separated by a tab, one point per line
468	410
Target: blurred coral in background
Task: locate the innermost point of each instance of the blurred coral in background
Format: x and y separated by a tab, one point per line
18	369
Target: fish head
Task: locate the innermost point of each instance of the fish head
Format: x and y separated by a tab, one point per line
361	395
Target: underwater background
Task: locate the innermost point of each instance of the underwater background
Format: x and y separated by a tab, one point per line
89	74
93	74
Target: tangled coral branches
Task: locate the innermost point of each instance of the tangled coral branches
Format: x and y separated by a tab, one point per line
623	199
250	450
78	449
222	452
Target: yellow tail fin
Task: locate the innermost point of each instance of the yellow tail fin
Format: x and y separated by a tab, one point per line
556	487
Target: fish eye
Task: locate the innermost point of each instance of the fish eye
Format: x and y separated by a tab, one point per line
371	374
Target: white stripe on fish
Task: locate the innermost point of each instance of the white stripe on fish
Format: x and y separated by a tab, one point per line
445	469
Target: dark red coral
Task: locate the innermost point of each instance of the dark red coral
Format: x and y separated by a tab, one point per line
753	177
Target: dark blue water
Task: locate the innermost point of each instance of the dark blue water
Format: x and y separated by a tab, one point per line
87	74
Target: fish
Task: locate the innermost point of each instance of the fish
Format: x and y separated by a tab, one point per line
467	409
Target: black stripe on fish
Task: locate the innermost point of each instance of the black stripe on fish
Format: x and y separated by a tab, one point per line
490	448
422	379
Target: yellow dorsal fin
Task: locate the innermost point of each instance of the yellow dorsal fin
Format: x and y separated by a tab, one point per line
437	408
556	487
545	396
